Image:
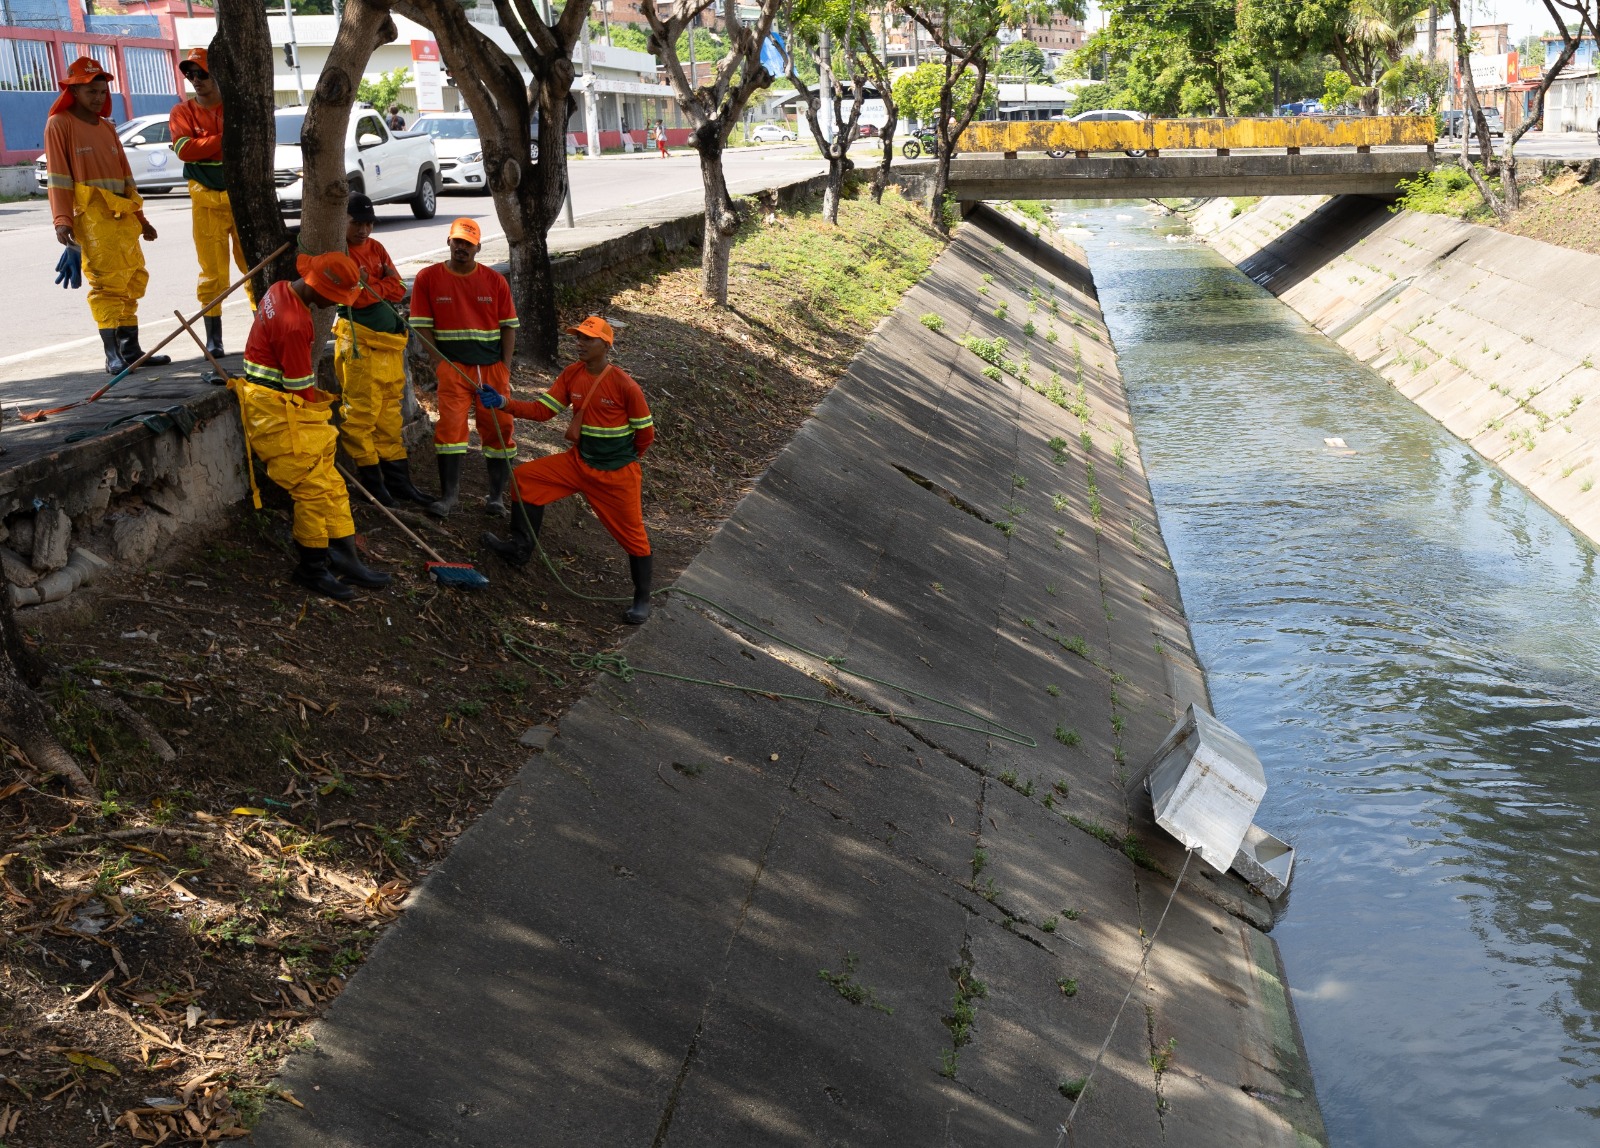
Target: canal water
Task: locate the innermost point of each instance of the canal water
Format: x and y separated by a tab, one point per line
1413	646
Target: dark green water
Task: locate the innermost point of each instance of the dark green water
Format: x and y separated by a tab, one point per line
1412	644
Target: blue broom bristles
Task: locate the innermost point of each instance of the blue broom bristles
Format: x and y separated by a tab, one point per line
458	574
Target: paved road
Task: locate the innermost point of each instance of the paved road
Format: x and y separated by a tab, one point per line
48	330
1550	145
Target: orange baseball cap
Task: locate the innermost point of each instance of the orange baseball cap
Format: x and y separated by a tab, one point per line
197	58
86	70
466	229
334	276
596	328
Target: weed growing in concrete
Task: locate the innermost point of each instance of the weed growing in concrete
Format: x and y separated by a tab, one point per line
1028	329
992	351
1068	986
852	990
964	1008
1050	589
932	322
1006	528
980	858
987	278
1050	336
1057	444
1008	777
1116	453
1062	788
1019	482
1586	485
949	1061
992	374
984	290
1027	788
1072	914
1161	1058
1087	440
1066	735
1053	690
1050	924
689	768
1059	502
1000	311
986	889
1118	724
1076	645
1074	1088
1049	801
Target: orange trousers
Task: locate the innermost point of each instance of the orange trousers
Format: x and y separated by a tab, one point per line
613	495
457	397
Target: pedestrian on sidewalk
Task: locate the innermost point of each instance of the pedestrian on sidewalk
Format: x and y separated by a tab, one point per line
369	360
196	126
464	314
95	206
661	138
397	122
611	429
288	424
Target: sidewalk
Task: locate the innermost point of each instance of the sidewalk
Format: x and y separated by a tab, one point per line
708	917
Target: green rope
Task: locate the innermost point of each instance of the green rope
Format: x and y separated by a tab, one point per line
619	667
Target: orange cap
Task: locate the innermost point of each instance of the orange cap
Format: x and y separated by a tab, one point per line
85	70
466	229
596	328
198	58
334	276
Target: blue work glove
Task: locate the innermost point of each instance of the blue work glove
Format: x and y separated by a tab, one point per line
69	268
491	398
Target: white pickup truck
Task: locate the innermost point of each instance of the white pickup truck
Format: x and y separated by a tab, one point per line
387	166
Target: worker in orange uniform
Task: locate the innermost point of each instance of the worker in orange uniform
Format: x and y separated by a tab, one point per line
611	429
464	314
196	126
288	423
95	206
369	360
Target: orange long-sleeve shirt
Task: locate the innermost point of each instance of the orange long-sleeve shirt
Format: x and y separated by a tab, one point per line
197	138
383	283
76	152
617	425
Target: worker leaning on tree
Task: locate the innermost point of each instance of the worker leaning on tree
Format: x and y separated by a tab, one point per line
464	314
369	360
611	429
288	423
196	126
95	206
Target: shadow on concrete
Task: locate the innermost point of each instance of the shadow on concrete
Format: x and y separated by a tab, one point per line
1308	246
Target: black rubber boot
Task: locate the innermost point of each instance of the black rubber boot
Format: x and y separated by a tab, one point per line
638	613
214	336
499	481
372	478
449	485
397	478
115	363
517	547
347	564
312	573
128	344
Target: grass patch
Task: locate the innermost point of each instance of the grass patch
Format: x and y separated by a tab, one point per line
1035	211
852	990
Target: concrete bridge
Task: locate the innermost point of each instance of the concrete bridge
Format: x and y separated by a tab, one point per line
1298	155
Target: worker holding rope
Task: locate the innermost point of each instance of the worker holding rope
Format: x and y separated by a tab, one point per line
288	424
611	429
196	126
96	208
464	314
369	360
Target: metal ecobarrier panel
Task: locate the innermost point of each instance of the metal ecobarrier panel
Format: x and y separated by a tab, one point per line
1210	134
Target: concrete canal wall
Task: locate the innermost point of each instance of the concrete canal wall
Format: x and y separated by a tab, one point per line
1496	336
711	917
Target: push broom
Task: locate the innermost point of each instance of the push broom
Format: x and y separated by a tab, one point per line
461	575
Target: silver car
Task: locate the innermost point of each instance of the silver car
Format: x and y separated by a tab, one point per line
148	142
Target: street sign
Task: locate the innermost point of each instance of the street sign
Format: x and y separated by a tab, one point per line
427	76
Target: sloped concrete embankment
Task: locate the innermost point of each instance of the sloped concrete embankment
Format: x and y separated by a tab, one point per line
1494	335
711	917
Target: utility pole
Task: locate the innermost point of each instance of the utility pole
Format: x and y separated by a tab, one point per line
293	50
1433	33
591	103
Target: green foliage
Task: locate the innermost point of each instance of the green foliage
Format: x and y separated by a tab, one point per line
932	321
384	93
1446	190
916	93
1021	58
1035	211
852	990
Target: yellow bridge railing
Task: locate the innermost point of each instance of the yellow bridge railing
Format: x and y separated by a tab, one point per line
1223	135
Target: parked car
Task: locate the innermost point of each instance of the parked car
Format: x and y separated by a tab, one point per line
389	167
867	131
771	133
460	149
1101	115
148	142
1452	122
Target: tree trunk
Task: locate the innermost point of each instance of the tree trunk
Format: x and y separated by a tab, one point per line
880	177
23	716
363	28
533	290
722	220
241	59
833	189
